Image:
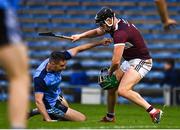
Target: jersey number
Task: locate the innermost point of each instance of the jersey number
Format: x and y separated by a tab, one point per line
126	22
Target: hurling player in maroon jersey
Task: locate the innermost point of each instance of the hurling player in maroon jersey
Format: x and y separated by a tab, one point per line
131	60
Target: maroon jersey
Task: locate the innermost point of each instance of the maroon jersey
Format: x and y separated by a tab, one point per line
128	34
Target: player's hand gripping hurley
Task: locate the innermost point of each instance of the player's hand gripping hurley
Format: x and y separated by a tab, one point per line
107	81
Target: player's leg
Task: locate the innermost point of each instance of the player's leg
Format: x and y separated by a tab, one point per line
35	111
73	115
131	77
63	101
112	93
162	10
62	112
111	100
15	61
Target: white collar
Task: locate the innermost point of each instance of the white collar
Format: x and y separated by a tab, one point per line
116	26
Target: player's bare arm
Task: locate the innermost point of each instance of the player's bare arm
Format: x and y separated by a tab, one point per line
41	107
88	34
116	59
74	51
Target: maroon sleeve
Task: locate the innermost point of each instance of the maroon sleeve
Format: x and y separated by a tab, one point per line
120	37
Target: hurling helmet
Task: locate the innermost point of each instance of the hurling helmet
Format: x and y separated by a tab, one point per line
103	14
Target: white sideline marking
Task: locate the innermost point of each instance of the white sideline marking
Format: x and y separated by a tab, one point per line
98	129
134	127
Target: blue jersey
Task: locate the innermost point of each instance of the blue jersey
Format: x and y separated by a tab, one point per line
47	83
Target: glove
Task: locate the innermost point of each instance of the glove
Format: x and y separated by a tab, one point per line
106	81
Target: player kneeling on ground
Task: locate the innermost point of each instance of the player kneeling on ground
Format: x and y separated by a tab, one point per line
46	85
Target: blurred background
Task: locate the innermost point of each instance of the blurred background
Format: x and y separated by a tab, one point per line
80	80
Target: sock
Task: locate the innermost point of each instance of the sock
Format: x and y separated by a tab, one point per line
33	112
151	110
109	116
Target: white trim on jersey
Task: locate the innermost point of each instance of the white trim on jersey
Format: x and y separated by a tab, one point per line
116	26
119	44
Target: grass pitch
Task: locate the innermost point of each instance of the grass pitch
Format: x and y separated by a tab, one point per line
127	116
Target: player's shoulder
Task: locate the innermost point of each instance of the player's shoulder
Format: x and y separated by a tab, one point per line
119	32
38	82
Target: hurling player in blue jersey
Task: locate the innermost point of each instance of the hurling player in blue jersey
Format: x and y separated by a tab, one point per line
14	59
47	79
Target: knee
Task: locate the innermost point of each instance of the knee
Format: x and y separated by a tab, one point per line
20	76
82	118
23	79
122	91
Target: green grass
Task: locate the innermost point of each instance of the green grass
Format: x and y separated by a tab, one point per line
127	116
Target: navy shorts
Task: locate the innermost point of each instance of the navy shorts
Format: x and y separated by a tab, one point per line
58	111
9	28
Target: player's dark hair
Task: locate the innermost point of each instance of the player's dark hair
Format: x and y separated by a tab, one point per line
57	56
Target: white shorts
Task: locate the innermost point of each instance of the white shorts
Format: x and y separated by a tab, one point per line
141	66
